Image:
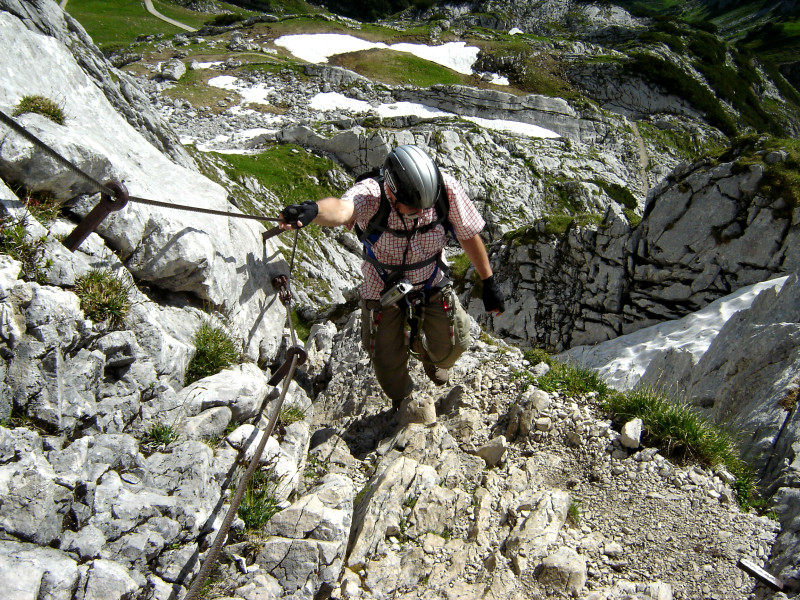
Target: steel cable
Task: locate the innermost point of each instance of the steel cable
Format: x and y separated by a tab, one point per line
100	187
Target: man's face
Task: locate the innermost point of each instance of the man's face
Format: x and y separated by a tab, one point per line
406	211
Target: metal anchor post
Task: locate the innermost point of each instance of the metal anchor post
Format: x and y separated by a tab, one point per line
98	213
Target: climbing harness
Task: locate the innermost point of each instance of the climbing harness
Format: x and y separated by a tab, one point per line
378	225
414	306
113	197
117	191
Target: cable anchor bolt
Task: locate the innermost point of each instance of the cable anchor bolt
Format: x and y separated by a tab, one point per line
103	208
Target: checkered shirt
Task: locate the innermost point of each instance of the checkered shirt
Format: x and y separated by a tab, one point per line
389	249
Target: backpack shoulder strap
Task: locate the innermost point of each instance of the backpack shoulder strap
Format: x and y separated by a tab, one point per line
377	224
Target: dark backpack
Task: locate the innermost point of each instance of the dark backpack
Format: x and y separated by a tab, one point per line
378	225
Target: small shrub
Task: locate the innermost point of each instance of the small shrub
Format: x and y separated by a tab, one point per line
259	503
214	351
40	105
29	251
104	297
225	19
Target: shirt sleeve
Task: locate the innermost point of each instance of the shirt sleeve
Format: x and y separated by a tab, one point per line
467	222
366	197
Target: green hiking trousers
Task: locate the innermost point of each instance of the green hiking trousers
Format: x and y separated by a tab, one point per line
384	337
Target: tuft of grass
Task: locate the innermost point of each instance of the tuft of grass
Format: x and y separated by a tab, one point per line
42	106
259	503
159	436
683	433
574	513
558	224
291	414
105	297
410	501
43	206
29	251
301	326
215	350
573	380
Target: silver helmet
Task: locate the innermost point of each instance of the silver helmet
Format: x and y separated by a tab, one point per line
412	176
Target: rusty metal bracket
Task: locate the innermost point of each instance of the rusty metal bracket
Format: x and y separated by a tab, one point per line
302	356
271	233
97	214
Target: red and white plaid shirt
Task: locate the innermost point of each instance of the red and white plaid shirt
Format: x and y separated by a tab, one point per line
389	249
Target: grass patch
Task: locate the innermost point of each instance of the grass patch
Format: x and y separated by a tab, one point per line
681	432
674	427
459	265
783	179
684	145
291	414
43	206
105	297
618	193
573	380
121	22
574	513
29	251
215	350
41	106
259	503
558	224
289	171
301	327
397	68
633	218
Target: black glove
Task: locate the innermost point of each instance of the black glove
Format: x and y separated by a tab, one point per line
305	213
492	297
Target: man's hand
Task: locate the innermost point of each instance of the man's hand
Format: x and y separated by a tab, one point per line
493	300
297	216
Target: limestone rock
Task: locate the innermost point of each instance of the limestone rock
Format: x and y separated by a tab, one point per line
564	570
631	434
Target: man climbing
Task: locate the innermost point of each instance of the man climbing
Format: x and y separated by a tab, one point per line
402	216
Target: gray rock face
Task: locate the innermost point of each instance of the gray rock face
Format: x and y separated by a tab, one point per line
124	95
309	538
544	111
217	264
706	232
